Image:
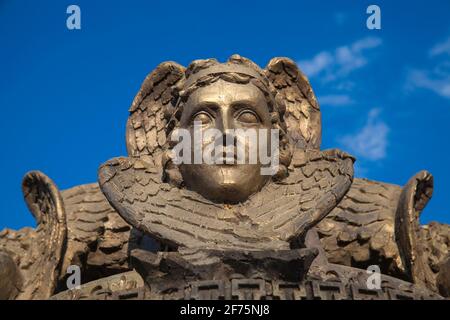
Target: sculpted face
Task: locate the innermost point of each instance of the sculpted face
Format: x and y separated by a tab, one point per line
226	106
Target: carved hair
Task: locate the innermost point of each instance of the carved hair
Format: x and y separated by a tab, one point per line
182	93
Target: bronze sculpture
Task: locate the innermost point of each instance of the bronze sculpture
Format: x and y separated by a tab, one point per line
195	231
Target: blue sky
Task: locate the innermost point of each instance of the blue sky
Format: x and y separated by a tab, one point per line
64	95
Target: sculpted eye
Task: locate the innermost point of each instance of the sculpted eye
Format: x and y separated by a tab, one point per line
248	117
202	117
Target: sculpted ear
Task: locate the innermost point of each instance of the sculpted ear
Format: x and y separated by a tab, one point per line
146	125
303	118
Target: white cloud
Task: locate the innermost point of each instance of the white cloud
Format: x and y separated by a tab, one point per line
441	48
320	62
371	141
331	65
439	84
437	78
336	100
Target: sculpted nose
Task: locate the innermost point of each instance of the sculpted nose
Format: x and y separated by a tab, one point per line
227	126
226	122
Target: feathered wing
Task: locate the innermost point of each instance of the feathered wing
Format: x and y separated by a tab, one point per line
177	217
97	235
303	118
47	248
269	220
413	199
146	134
317	182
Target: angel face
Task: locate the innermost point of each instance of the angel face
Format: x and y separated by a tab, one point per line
226	107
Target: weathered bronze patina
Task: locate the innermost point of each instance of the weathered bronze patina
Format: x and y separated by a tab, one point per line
154	229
